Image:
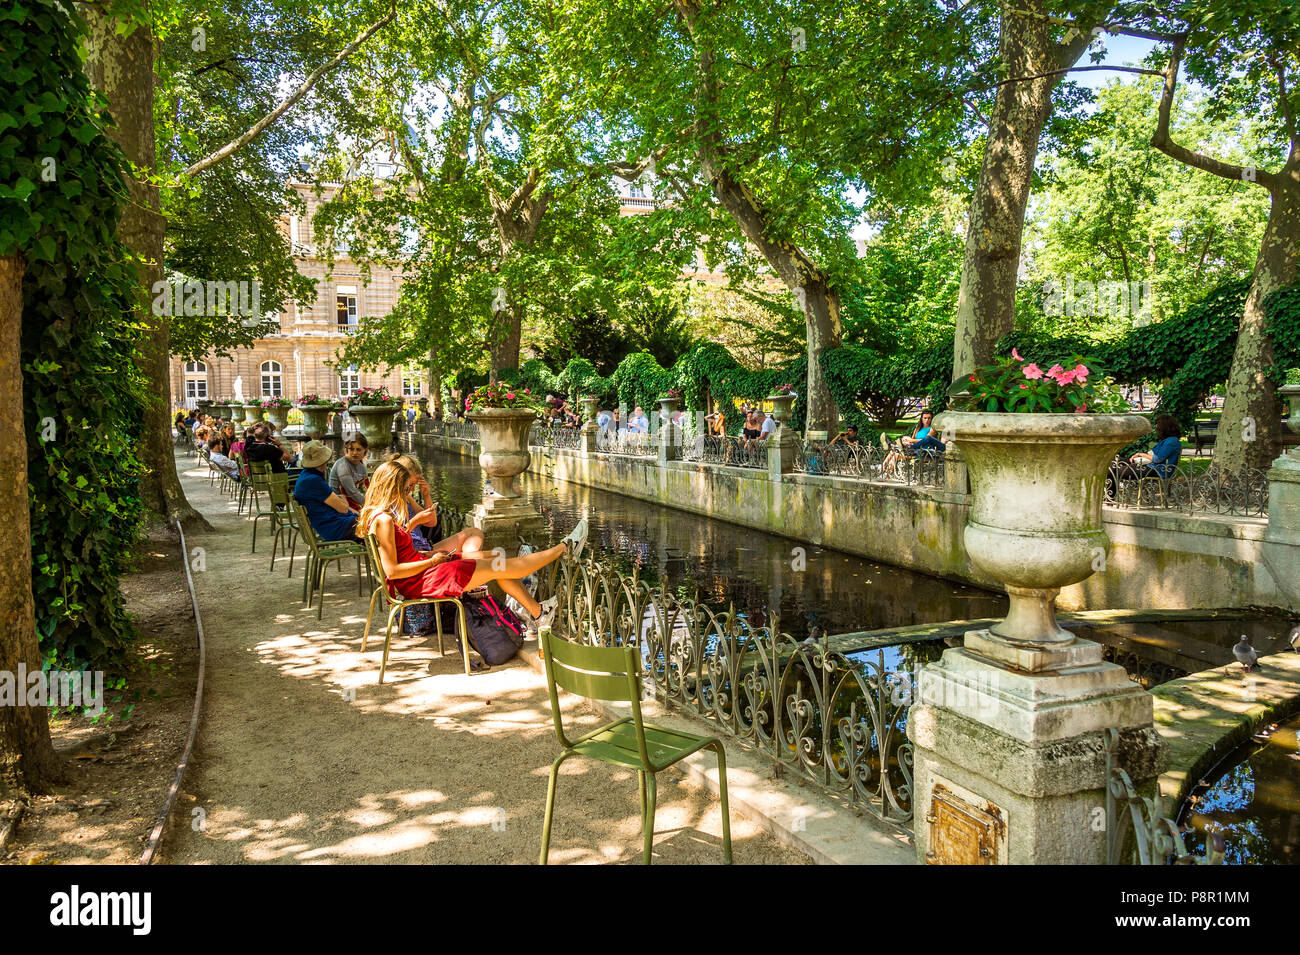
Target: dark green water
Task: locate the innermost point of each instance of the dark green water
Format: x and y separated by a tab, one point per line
1255	802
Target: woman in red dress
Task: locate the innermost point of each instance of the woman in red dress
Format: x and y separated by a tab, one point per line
455	564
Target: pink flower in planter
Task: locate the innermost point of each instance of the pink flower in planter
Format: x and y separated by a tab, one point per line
1081	409
1016	355
1081	373
1023	386
1032	371
510	397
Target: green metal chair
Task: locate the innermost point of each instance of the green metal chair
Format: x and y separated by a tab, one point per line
320	553
281	520
396	607
259	479
614	674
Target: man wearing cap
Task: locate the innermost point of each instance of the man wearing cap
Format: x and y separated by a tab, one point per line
330	516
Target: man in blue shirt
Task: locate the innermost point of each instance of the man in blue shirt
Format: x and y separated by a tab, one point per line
328	512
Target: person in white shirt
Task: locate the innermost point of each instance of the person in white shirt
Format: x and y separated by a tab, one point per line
638	423
769	425
228	466
603	420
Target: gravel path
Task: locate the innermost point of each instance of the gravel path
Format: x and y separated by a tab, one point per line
303	758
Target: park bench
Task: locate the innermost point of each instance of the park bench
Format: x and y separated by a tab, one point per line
1205	432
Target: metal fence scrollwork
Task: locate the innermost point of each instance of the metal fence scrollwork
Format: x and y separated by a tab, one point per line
1189	488
726	450
1138	829
834	721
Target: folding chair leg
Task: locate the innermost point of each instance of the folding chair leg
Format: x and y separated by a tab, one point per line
648	818
275	541
320	585
464	638
369	614
293	548
722	795
306	576
550	807
359	590
388	640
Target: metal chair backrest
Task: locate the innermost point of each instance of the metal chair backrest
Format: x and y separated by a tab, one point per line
612	674
277	485
372	548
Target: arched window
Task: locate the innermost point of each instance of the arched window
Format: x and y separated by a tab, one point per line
196	379
349	381
271	380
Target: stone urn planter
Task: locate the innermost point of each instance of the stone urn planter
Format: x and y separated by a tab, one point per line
315	419
423	404
1038	482
279	418
669	406
503	446
237	412
376	423
589	408
1291	395
782	407
253	412
221	411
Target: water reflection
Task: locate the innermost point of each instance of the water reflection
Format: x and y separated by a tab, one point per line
1255	802
724	563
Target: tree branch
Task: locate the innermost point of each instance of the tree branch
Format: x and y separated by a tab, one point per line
256	129
1161	139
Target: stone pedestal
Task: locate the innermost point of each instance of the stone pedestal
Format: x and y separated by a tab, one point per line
589	437
502	520
782	446
1010	765
669	443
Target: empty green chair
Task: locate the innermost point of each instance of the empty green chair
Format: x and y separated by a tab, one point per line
319	555
281	519
613	674
396	607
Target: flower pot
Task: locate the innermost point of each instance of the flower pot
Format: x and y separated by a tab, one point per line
1291	394
237	413
315	419
669	406
589	408
782	407
279	418
376	423
221	410
253	413
423	404
503	446
1037	483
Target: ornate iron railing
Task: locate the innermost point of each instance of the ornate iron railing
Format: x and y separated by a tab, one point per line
1138	830
1187	488
835	721
725	449
452	429
552	438
624	442
838	458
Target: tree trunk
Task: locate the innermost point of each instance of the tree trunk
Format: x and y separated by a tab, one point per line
121	67
991	262
27	760
508	327
435	385
1249	430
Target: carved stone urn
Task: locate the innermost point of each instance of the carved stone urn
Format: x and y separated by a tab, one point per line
376	423
1037	482
315	419
503	456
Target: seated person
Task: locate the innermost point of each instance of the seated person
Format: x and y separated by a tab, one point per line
1163	458
447	573
753	426
329	514
848	436
264	448
218	457
348	476
768	426
421	519
604	419
904	445
637	422
717	424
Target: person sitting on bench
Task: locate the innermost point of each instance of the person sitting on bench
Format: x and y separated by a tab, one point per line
1163	458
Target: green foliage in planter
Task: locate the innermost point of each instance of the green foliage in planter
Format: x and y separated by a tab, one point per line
61	196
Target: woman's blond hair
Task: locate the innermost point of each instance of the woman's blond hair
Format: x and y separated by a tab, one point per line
386	495
408	462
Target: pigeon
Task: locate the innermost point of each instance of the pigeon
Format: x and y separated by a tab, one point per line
1294	637
1245	654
